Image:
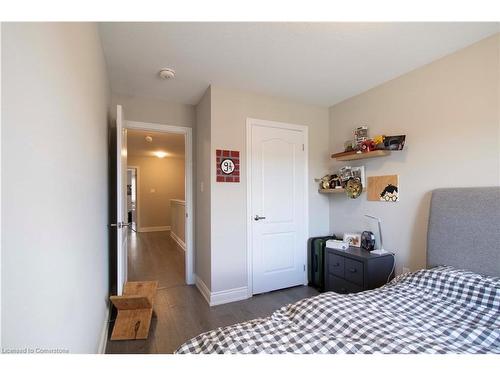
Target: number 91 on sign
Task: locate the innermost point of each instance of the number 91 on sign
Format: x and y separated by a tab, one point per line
227	166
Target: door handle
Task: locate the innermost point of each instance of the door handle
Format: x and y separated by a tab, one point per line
120	225
257	217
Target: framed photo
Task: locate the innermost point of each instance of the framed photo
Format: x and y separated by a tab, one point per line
359	172
345	173
353	239
348	172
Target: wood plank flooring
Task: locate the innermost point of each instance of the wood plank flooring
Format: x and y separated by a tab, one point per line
180	311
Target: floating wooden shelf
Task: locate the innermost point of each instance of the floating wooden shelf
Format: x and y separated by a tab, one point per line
332	191
354	155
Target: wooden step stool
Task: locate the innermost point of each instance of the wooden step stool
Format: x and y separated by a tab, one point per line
135	309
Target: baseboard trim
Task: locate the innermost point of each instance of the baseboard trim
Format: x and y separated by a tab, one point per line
153	229
103	340
177	239
222	297
229	295
202	287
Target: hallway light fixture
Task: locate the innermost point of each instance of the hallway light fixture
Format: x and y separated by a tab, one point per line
160	154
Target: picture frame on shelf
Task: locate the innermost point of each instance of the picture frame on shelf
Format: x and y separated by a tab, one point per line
359	172
394	142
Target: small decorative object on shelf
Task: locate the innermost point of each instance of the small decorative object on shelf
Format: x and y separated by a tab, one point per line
379	141
324	182
367	146
348	145
329	182
335	182
394	143
360	135
354	188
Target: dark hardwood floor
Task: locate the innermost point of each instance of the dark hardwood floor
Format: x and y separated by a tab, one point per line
180	311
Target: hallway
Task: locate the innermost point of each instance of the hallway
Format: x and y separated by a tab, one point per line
180	311
155	256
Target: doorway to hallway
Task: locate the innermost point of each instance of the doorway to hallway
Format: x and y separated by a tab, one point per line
162	158
156	204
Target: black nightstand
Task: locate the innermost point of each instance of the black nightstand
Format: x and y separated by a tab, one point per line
355	270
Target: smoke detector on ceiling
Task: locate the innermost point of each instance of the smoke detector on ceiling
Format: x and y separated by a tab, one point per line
167	73
148	139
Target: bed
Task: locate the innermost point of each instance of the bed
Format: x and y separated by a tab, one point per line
453	306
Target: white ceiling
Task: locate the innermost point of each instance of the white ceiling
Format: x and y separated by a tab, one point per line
319	63
171	143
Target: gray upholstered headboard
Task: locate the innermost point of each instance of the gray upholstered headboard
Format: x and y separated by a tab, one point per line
464	229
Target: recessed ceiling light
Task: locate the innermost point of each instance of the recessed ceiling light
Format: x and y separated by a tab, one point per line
148	139
160	154
167	73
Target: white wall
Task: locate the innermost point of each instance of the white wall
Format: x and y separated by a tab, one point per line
449	111
137	108
54	186
230	110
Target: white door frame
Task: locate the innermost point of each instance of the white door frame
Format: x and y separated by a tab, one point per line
137	176
121	200
282	125
188	188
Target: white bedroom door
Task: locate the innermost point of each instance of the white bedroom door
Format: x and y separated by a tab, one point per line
121	196
278	178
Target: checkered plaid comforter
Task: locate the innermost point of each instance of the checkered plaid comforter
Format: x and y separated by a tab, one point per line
442	310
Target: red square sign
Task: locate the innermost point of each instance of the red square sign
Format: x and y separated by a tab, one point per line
228	165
